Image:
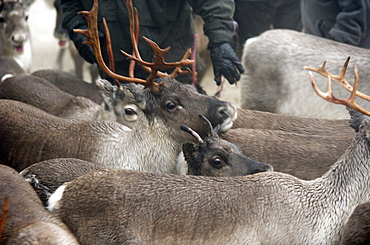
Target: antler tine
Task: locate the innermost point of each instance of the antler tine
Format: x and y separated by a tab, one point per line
178	70
159	62
192	132
213	132
4	215
134	30
91	34
110	53
340	79
350	102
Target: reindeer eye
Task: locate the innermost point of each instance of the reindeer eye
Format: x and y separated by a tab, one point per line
129	112
217	162
2	20
170	105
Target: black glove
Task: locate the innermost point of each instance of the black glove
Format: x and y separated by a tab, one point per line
225	62
86	52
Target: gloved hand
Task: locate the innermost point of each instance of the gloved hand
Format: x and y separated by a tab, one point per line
226	63
84	50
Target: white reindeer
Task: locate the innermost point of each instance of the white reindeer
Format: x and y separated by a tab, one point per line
275	80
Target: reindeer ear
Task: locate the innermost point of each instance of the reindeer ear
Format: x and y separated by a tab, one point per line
108	93
28	3
190	151
106	88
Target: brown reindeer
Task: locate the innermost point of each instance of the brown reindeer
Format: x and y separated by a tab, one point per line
37	91
213	156
115	206
357	229
152	145
71	84
46	176
27	220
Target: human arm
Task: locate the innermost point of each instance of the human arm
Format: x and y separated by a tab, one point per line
220	28
72	20
351	23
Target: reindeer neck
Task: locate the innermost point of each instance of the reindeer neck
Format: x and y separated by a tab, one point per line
147	148
347	183
5	49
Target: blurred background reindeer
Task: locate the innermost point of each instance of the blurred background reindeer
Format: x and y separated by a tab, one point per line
14	31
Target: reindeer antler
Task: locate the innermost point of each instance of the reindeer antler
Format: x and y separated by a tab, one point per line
350	102
212	132
4	215
91	34
192	133
340	79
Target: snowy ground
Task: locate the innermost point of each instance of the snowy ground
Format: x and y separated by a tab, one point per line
45	50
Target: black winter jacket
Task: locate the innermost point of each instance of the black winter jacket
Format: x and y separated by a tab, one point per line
346	21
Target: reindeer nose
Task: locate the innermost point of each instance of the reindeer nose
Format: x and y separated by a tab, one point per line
228	111
265	168
227	114
268	168
260	167
19	38
223	113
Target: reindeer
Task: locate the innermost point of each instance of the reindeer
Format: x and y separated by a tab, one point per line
71	84
303	155
213	156
152	145
27	221
46	176
42	94
306	142
357	229
263	208
65	44
14	31
274	79
30	135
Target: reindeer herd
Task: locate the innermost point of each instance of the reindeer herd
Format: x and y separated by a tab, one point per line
154	162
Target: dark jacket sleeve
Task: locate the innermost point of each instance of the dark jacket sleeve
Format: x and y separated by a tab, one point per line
70	17
219	25
352	22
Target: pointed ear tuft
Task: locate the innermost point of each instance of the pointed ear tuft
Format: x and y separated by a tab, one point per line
190	151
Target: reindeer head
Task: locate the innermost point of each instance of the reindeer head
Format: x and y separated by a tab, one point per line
213	156
14	30
165	98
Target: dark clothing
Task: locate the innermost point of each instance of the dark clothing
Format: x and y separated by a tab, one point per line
346	21
168	23
257	16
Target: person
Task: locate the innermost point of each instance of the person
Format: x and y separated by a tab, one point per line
168	23
346	21
257	16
